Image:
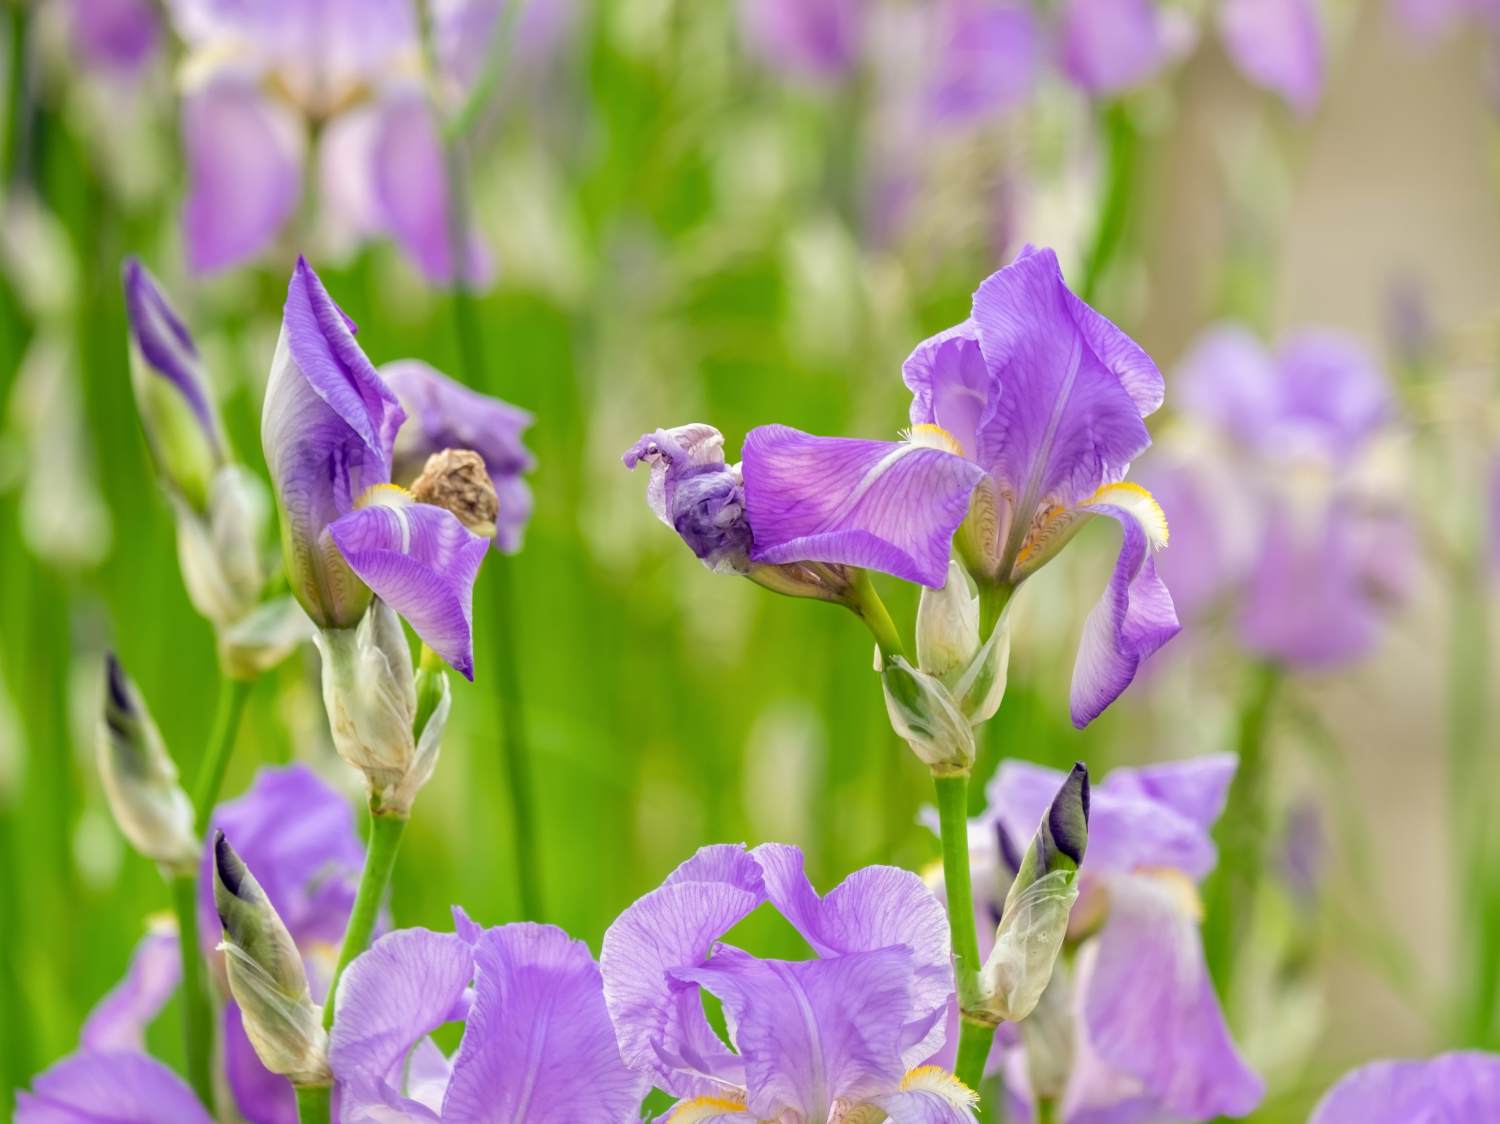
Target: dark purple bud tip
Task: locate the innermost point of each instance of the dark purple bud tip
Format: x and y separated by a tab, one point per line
117	685
1068	818
228	865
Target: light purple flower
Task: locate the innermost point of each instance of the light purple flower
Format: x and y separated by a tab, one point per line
1149	1039
1110	46
810	1038
266	71
537	1048
1462	1087
122	37
120	1087
817	39
989	58
444	414
328	429
1277	44
1309	558
298	834
1429	20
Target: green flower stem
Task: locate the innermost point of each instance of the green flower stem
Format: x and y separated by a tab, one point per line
1046	1110
380	858
871	609
197	1013
1121	141
233	694
314	1103
953	816
197	1010
1230	894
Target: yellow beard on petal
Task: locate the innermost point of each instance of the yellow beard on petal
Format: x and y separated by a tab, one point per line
928	436
1182	889
703	1108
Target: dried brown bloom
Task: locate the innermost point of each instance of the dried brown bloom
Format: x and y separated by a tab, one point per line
456	479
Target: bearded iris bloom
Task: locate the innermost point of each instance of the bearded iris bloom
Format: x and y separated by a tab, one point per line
328	428
842	1036
1303	551
1147	1038
537	1048
1461	1086
308	874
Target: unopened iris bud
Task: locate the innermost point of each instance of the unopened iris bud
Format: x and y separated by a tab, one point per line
950	650
924	714
1035	917
263	637
139	778
182	427
433	702
369	690
457	480
221	550
266	975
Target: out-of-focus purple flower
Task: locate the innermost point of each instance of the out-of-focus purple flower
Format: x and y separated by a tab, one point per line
121	1087
989	57
1286	532
537	1045
1149	1040
298	835
1048	397
813	1039
262	73
444	414
1110	46
818	39
328	429
1278	44
1462	1087
120	37
1429	20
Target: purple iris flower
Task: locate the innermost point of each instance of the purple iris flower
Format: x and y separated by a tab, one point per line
1429	20
1149	1039
537	1048
444	414
989	58
1462	1088
1289	531
811	1041
263	73
328	429
299	835
120	37
121	1087
1278	45
1110	46
818	39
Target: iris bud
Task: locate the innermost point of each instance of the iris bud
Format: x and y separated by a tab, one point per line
1035	917
369	690
263	637
221	550
924	714
139	778
266	975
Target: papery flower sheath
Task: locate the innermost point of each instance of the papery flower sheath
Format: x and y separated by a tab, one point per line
812	1040
444	414
1462	1087
537	1048
299	836
1148	1038
328	429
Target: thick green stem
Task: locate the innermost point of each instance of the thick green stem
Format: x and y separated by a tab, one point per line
513	747
953	817
1120	140
1046	1110
380	859
314	1104
233	694
1230	895
197	1013
871	609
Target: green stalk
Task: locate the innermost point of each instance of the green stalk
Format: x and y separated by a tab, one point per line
1230	894
953	816
233	694
1121	141
314	1103
513	742
1046	1110
380	859
871	609
197	1013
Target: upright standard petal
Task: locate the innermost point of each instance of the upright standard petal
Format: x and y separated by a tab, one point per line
123	1088
952	386
244	156
327	428
1075	389
1277	44
888	506
813	1032
421	561
1149	1010
1110	46
875	907
1135	616
658	1017
1462	1086
445	414
538	1047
